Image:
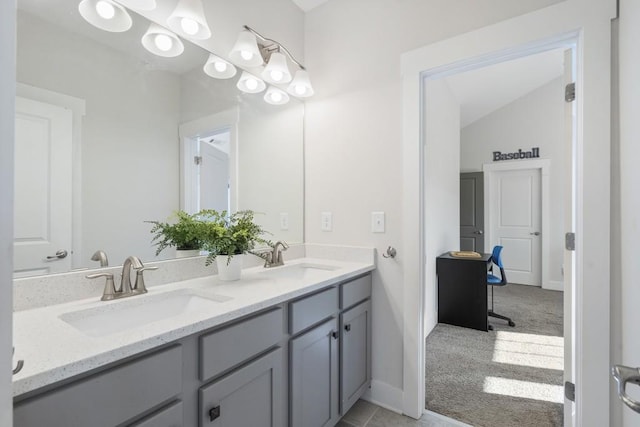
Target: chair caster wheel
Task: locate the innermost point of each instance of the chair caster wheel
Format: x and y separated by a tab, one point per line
511	323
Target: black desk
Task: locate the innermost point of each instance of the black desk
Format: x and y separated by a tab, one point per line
462	291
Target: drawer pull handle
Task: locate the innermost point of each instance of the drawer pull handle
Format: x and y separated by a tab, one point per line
347	327
334	334
214	413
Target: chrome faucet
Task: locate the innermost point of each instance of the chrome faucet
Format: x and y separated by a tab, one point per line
273	257
125	290
125	284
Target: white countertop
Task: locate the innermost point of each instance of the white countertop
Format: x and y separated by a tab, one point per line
54	350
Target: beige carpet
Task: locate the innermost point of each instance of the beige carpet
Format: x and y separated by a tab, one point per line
502	378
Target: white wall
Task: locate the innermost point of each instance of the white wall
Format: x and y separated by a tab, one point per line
129	146
534	120
353	136
7	119
442	187
629	128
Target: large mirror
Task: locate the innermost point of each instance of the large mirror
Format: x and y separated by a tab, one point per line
109	136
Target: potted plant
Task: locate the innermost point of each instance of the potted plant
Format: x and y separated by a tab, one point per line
225	236
184	231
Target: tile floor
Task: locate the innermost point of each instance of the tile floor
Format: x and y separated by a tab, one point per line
365	414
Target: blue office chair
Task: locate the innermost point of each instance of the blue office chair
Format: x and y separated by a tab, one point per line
493	281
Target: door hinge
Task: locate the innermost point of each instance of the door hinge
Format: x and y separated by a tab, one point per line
570	391
570	241
197	160
570	92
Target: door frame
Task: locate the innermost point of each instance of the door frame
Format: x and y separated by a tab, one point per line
225	120
587	26
544	165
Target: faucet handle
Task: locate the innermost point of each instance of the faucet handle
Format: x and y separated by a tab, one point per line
109	287
139	286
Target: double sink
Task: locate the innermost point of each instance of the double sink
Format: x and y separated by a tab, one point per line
108	318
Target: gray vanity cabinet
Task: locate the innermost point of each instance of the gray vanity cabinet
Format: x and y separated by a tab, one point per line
355	354
302	363
314	377
249	396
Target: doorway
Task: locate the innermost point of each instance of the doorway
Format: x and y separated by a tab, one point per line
559	25
513	217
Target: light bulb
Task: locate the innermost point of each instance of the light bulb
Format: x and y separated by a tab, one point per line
251	84
189	26
276	96
300	89
246	55
277	75
105	9
163	42
220	66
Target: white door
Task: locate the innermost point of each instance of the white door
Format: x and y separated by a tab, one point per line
42	202
517	224
214	178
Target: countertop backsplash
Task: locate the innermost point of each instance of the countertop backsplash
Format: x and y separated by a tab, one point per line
41	291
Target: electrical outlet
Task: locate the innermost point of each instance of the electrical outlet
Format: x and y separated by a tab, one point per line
326	222
377	222
284	221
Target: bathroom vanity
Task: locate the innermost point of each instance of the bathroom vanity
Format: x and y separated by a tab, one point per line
288	346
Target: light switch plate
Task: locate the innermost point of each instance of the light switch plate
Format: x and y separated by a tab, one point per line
326	221
284	221
377	222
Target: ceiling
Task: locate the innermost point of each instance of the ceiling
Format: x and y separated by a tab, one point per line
307	5
482	91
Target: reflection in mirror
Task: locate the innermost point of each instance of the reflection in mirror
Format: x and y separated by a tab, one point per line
109	136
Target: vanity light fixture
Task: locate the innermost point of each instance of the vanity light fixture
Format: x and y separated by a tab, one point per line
188	20
276	56
106	15
250	84
139	4
162	42
275	96
219	68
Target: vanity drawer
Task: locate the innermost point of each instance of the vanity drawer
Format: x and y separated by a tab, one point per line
231	346
109	398
170	416
310	310
355	291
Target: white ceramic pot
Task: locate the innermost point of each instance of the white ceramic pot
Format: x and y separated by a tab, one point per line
186	253
229	270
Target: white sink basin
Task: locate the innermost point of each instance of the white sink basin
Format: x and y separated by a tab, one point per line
137	311
298	271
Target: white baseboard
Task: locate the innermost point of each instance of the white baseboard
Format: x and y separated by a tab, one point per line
384	395
554	285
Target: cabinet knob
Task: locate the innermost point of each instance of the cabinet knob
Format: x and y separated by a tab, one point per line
334	334
214	413
347	327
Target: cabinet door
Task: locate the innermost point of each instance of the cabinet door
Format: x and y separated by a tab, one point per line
249	396
314	377
355	357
